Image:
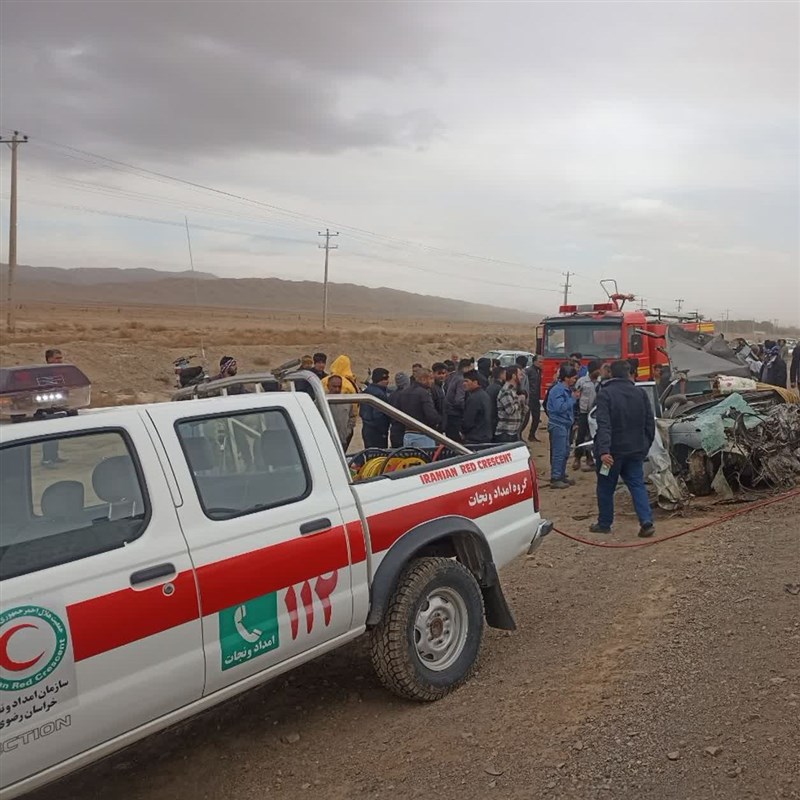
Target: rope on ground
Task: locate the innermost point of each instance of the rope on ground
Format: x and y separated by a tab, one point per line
651	542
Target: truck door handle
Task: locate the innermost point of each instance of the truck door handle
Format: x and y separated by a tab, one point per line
152	573
315	526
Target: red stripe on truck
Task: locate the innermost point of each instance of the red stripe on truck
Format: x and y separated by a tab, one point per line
104	623
387	527
242	577
113	620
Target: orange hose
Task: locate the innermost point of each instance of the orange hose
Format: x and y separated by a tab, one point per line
650	543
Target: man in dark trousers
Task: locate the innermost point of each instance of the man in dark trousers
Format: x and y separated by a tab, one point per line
374	423
625	430
476	424
534	373
794	369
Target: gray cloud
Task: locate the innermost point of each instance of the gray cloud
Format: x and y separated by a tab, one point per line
185	78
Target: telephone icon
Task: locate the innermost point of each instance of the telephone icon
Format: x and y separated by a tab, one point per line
238	620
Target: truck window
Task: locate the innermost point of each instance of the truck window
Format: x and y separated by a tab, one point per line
67	498
244	462
590	338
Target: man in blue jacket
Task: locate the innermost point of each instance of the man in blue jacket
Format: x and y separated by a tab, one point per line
374	423
626	428
560	419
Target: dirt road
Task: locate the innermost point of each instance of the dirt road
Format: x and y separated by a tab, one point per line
665	672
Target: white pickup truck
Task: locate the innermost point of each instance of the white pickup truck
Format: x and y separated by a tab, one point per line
158	559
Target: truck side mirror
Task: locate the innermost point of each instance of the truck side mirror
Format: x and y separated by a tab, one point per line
636	343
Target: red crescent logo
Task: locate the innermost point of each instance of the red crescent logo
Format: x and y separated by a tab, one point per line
8	663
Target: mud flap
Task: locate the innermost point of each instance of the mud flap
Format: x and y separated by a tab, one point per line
498	612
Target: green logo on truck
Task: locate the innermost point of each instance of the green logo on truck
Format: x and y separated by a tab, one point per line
33	642
248	630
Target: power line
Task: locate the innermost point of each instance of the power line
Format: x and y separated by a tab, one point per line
104	161
215	229
327	247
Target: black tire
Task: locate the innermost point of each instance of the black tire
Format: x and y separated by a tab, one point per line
393	642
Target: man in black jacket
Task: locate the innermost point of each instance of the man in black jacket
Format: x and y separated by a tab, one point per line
498	379
374	423
476	424
625	430
416	401
455	399
794	369
534	373
437	388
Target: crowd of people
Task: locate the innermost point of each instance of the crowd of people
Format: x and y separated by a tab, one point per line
483	403
470	402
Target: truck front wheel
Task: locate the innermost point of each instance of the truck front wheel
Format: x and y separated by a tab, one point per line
428	641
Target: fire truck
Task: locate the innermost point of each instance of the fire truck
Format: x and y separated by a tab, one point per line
608	331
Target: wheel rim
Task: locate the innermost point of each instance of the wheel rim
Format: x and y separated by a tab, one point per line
440	629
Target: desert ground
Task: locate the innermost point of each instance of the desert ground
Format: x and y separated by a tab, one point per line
662	672
127	351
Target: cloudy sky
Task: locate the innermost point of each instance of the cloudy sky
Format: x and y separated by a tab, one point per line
474	150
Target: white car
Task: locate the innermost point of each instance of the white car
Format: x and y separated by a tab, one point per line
508	358
158	559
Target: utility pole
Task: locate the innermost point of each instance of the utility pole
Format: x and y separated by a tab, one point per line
13	143
327	247
566	286
642	301
727	317
679	303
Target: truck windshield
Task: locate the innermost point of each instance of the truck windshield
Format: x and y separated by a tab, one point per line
590	338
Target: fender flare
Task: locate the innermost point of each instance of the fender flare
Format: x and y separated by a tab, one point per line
467	543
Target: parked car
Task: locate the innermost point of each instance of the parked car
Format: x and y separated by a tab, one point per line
177	554
508	357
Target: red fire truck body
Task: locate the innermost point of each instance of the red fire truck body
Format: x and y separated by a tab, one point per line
607	332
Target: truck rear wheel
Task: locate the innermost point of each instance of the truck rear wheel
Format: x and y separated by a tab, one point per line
428	641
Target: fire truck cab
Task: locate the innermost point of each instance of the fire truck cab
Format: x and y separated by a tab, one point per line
607	331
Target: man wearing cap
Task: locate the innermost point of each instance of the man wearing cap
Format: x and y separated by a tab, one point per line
374	423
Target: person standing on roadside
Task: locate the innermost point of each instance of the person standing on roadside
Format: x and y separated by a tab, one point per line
50	457
587	394
560	419
774	370
455	400
476	424
510	404
498	379
625	431
534	374
374	423
417	402
319	364
344	415
577	359
794	369
437	388
523	388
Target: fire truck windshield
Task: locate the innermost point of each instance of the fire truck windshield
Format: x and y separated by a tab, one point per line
589	337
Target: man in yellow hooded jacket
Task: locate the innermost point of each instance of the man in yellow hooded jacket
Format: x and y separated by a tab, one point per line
341	366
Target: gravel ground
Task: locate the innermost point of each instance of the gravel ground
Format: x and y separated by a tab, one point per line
664	672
